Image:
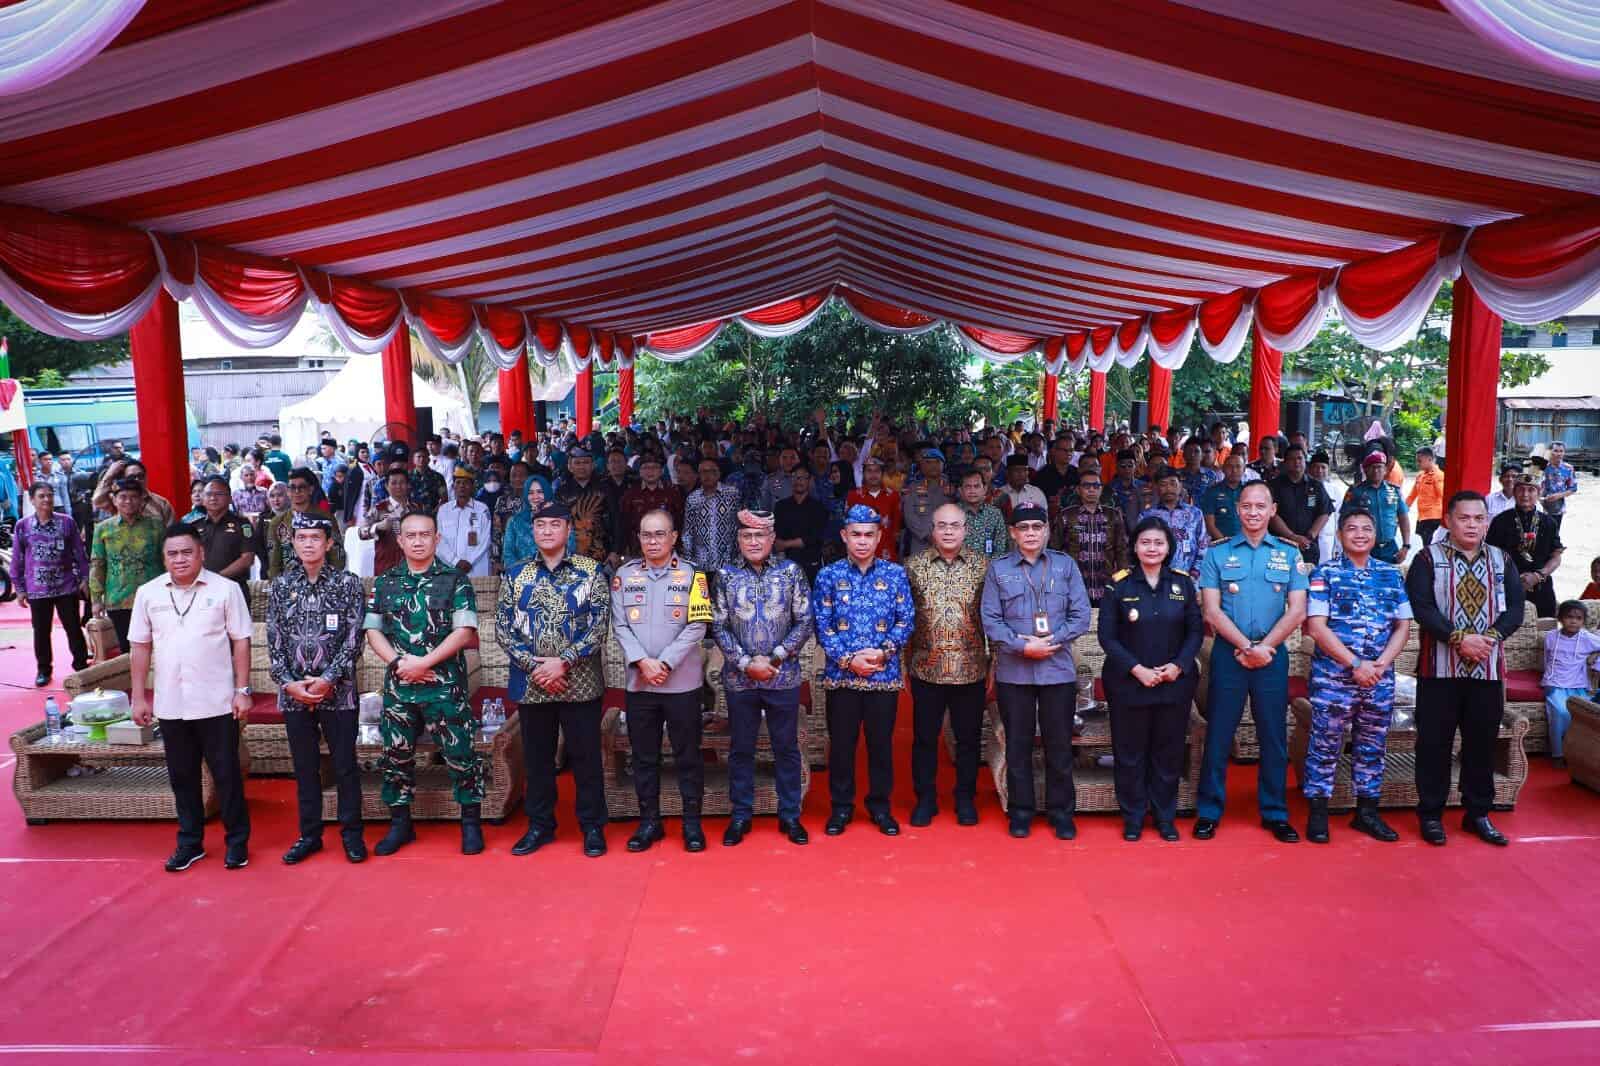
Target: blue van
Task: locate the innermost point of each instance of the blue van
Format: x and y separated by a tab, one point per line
81	419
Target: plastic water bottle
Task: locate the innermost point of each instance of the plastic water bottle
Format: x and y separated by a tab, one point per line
52	720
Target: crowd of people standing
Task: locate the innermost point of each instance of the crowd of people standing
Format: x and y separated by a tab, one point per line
961	564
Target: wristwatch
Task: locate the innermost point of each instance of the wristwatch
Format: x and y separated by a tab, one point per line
244	691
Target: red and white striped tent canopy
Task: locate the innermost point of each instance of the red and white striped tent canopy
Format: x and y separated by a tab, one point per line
1094	180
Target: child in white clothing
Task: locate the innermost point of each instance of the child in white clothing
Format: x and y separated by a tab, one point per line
1568	651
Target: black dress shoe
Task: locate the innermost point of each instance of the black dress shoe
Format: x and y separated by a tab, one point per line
1485	831
1020	826
1432	830
1205	828
694	838
237	857
1282	832
1065	828
836	823
1132	831
1168	831
355	850
184	858
594	842
886	824
532	841
650	830
301	850
42	679
734	835
791	828
966	812
922	816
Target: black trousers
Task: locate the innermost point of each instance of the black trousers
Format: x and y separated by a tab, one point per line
216	741
1425	529
65	608
338	726
1046	709
1445	705
119	622
1148	746
679	712
1543	598
929	702
852	711
579	723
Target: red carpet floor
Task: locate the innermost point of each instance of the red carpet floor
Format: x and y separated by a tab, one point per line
946	945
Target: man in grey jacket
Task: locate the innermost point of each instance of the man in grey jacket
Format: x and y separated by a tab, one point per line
659	612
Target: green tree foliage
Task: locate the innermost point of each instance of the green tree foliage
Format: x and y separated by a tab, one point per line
34	354
837	362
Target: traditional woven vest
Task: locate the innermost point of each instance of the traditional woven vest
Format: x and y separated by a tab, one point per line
1471	595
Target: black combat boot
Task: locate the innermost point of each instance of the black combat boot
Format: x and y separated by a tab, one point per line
1317	822
400	831
471	828
1368	821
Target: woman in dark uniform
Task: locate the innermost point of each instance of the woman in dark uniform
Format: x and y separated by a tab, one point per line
1150	628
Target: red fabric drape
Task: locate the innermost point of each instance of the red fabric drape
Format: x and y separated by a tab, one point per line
781	314
72	265
1160	396
448	320
1266	391
158	387
1472	384
883	314
625	397
516	400
999	342
1097	400
1051	401
584	402
22	453
1282	306
399	405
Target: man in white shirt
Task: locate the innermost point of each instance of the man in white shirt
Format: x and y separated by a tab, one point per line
202	689
1017	490
465	528
1501	499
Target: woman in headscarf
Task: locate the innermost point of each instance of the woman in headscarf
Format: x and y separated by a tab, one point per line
518	547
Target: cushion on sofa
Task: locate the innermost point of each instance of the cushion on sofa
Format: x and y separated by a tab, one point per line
1522	686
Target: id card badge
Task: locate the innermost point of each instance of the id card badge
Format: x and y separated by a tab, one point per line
331	623
1041	624
988	545
472	538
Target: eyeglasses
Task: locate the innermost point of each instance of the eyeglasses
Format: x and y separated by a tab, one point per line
654	534
950	527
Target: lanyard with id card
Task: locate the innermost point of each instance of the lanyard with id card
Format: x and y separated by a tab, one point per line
1041	617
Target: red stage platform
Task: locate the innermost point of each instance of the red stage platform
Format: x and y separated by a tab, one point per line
946	945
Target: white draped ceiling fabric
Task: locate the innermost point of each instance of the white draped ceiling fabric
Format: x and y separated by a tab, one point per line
1092	183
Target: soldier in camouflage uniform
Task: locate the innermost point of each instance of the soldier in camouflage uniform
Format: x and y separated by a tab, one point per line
421	618
1359	616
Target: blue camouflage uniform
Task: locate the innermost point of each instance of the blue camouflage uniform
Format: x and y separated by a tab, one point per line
1254	584
1385	503
1361	604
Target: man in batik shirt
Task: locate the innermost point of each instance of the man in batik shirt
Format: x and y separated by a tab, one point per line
314	617
1093	535
948	661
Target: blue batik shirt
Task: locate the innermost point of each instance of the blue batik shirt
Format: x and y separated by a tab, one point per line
1189	537
766	612
855	611
554	613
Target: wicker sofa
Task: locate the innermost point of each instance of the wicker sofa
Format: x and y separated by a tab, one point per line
1583	743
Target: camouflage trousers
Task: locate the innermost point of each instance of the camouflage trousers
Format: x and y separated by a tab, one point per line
1337	704
403	724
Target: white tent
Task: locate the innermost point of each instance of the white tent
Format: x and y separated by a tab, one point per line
351	406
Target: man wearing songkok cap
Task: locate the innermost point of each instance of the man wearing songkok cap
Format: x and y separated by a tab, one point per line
465	528
1387	507
761	618
551	619
1034	606
864	616
314	620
